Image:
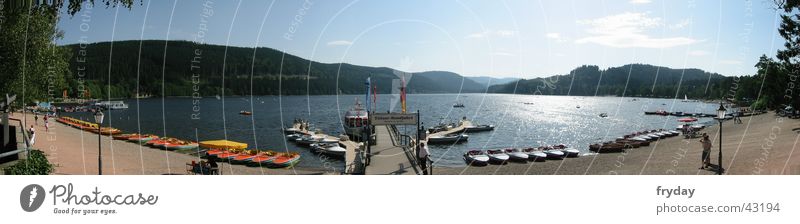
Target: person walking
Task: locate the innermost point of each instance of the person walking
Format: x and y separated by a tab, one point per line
706	151
422	157
46	124
36	118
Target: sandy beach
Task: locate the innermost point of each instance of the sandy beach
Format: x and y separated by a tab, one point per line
75	152
762	144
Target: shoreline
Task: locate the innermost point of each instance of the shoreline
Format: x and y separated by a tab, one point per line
75	152
762	144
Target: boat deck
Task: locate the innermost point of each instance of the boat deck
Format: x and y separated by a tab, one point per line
389	156
462	125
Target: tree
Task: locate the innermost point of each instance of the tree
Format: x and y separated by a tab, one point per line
790	31
31	65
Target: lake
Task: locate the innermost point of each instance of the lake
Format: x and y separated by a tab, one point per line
520	120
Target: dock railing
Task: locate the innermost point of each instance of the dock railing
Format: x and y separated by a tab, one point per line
24	138
409	145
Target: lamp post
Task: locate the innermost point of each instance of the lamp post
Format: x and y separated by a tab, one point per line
98	118
720	117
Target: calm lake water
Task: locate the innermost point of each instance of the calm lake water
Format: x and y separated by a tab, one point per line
520	120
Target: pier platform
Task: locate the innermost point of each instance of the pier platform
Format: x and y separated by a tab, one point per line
391	157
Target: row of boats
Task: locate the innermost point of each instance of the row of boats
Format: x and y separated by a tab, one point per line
165	143
633	140
270	159
678	114
321	145
535	154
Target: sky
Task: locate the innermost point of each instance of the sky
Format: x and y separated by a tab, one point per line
523	39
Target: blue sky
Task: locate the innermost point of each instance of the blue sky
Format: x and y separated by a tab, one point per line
475	38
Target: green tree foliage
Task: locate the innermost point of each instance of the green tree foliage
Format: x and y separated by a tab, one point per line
31	65
272	72
36	164
790	31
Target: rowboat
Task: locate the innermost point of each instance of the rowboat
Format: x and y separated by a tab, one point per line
244	157
124	136
183	145
476	158
568	152
263	160
516	155
214	152
607	147
222	144
497	156
245	112
284	160
142	139
553	153
535	154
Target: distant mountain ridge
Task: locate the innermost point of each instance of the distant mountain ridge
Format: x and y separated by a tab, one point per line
490	81
297	76
274	72
640	80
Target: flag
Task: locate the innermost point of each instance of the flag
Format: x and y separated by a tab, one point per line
366	98
403	94
375	97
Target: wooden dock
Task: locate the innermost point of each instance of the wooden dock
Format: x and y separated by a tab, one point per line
388	156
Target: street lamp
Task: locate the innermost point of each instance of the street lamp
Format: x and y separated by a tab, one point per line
720	117
98	118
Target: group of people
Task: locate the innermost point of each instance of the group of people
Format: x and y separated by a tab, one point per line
32	130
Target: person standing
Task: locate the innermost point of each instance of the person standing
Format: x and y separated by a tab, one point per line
35	118
32	132
706	151
422	157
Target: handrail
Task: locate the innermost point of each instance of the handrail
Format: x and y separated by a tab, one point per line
24	137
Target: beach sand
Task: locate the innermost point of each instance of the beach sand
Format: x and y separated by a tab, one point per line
762	144
75	152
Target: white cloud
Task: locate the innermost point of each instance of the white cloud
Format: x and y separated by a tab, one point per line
502	54
640	1
340	43
627	30
682	24
730	62
555	36
488	33
698	53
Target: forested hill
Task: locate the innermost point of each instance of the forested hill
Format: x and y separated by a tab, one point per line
628	80
269	66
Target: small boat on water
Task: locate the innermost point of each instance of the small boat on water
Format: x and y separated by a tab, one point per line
329	149
603	115
497	156
307	140
478	128
112	105
516	155
245	112
458	105
535	154
291	130
245	156
293	137
447	139
263	159
476	158
355	120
